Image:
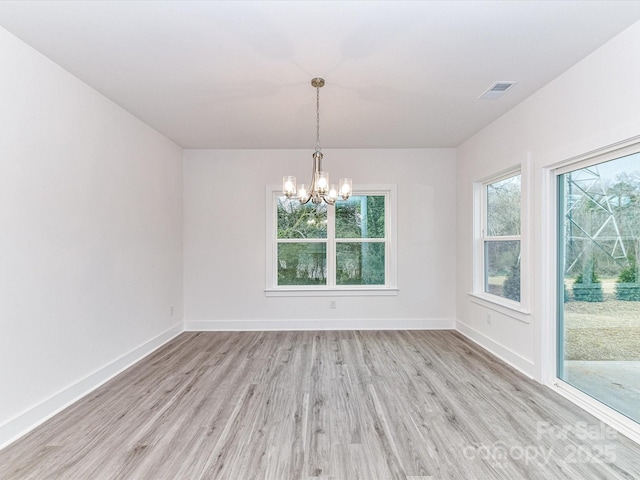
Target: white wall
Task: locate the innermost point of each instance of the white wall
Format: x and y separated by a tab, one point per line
224	239
593	105
90	240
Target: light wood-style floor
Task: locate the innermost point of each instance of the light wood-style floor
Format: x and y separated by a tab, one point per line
321	405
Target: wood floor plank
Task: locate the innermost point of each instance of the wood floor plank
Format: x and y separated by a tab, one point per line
347	405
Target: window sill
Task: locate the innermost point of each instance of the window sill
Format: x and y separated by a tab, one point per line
330	292
504	306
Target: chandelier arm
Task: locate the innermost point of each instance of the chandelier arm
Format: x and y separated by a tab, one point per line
328	200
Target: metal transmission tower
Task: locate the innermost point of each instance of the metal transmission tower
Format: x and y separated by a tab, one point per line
589	220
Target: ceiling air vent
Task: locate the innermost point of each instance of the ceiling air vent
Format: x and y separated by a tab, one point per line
496	90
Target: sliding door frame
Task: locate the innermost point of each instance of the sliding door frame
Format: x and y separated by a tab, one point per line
550	287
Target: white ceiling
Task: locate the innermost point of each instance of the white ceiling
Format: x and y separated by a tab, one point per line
217	74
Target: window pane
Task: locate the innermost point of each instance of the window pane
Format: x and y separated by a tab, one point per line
302	263
503	207
502	269
362	216
301	221
360	263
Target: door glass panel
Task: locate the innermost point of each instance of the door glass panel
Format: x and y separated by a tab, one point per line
599	282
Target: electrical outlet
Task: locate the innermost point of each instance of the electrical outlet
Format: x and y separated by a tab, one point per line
332	304
489	318
171	311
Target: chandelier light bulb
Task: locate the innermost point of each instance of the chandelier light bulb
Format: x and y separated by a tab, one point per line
303	195
289	186
323	182
333	193
345	188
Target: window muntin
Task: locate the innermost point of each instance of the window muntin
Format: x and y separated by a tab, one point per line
501	238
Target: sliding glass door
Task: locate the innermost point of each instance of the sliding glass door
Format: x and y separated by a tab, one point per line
599	282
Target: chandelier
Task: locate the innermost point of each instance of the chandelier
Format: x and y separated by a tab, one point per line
319	189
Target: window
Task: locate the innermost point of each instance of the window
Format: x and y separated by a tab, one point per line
349	247
498	259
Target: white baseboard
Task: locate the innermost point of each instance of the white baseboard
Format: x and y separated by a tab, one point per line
31	418
324	324
520	363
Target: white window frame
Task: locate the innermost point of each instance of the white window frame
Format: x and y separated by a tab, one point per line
390	287
518	310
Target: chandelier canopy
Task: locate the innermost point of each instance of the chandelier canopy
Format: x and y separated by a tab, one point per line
319	189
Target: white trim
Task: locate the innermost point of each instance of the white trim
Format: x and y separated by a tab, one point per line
503	305
600	155
514	359
26	421
611	417
331	250
320	324
518	310
337	240
511	171
330	292
526	235
548	299
506	238
271	247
